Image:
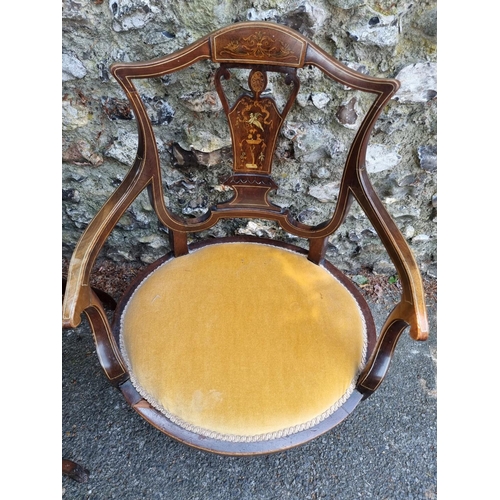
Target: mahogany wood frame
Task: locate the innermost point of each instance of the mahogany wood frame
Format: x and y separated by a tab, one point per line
261	47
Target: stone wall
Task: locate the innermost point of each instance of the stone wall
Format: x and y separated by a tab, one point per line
386	38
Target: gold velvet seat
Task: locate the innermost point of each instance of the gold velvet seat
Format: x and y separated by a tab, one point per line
281	360
242	345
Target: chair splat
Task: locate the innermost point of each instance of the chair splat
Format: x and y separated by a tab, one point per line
254	122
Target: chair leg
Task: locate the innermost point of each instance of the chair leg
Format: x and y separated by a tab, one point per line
75	471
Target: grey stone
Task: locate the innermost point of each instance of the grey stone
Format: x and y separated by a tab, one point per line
262	15
320	99
72	195
380	157
325	193
255	228
369	233
353	236
72	68
356	66
73	116
103	72
305	17
202	102
347	4
153	241
201	17
124	148
372	28
132	14
79	217
72	10
159	110
428	158
303	99
432	270
405	212
207	142
409	232
347	114
427	22
384	267
418	83
310	140
421	238
320	172
311	216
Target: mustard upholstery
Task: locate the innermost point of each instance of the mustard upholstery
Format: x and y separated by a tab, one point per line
243	341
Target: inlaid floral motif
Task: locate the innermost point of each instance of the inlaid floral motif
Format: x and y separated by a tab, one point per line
260	46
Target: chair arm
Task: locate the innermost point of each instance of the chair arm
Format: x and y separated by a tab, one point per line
411	310
78	295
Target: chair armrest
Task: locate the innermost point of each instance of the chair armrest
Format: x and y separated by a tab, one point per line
411	310
78	295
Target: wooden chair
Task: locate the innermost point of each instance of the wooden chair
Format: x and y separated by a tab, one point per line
245	345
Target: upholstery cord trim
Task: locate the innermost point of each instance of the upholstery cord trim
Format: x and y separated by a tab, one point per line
234	437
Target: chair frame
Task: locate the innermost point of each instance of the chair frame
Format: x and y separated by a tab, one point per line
261	47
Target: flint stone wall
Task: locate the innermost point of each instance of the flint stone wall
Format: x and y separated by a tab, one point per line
381	38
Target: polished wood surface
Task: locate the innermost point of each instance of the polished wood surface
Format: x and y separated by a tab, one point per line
255	123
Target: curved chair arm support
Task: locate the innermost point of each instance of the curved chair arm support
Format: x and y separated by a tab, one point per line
356	181
106	346
376	369
412	308
78	295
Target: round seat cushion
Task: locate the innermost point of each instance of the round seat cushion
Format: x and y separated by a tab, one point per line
243	341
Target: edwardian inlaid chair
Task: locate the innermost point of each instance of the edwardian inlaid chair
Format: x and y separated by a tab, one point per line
246	345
